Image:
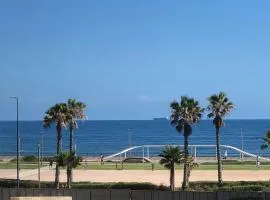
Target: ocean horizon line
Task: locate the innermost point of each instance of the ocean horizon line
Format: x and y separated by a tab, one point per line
230	119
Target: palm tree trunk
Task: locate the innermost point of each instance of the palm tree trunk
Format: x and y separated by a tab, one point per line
71	149
220	182
58	151
68	177
185	175
172	180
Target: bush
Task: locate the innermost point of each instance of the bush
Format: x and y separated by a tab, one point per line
194	186
230	186
47	158
11	183
30	159
119	185
244	188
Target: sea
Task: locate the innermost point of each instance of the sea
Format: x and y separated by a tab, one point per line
93	138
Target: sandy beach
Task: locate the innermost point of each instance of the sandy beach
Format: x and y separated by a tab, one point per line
156	177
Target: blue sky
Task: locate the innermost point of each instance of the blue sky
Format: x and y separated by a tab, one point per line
129	59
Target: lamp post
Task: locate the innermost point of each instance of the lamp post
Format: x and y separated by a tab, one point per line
129	137
129	140
242	144
18	163
38	165
41	148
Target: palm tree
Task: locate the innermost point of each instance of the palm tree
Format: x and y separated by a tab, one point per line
191	165
169	157
75	112
219	106
183	115
66	159
266	139
56	114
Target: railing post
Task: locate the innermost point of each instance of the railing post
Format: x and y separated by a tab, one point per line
125	154
148	152
216	154
143	153
195	154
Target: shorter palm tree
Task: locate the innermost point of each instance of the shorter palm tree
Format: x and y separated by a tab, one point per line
169	157
67	160
191	165
266	139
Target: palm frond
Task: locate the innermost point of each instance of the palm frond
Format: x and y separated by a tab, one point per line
187	111
76	111
56	114
218	107
266	140
170	156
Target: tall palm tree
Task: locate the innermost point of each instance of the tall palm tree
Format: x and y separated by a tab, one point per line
219	106
56	114
169	157
183	115
76	111
266	140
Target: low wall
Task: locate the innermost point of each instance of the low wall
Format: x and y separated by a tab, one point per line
42	198
121	194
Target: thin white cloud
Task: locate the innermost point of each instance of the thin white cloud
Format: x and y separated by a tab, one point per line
144	98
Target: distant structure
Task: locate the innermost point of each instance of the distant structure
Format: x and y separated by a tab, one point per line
161	119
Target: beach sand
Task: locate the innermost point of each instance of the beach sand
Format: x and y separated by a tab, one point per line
156	177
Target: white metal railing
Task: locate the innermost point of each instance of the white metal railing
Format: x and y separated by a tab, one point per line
146	154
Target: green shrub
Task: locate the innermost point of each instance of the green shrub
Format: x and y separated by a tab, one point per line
230	186
14	160
48	158
119	185
29	159
242	188
11	183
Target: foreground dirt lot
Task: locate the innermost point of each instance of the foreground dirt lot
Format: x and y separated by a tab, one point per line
157	177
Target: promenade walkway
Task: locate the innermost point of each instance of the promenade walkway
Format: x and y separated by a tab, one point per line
157	177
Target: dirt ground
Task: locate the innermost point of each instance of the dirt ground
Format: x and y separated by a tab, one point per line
157	177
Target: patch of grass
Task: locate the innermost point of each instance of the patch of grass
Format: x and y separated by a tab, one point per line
14	166
236	162
148	166
28	163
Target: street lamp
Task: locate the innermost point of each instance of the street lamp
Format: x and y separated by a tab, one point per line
129	137
39	165
242	144
18	164
41	148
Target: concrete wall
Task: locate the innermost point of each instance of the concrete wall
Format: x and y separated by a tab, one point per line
102	194
41	198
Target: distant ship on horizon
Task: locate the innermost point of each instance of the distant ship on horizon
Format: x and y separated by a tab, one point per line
161	118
